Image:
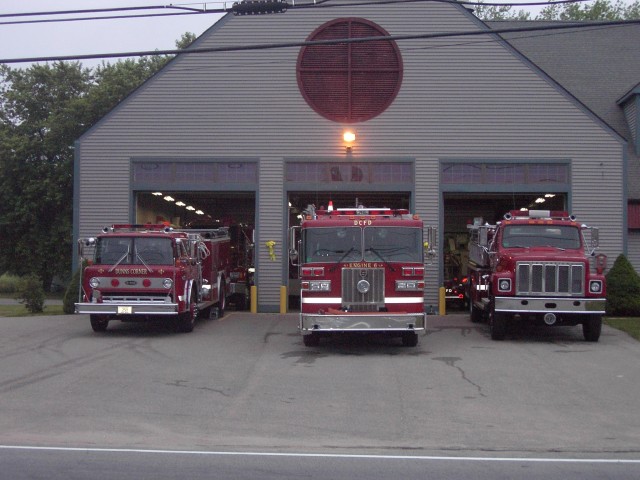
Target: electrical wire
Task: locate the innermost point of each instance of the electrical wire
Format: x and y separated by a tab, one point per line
271	46
196	11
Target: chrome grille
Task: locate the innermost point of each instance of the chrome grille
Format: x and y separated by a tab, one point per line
368	301
550	278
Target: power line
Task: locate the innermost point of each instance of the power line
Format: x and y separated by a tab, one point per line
236	6
271	46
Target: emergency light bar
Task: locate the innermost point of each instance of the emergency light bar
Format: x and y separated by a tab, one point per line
539	214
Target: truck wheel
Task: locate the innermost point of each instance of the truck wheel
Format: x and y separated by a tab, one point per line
497	325
241	302
409	339
222	303
591	327
311	340
187	320
476	313
99	323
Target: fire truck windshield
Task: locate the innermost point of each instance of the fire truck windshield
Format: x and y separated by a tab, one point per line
393	244
371	244
555	236
134	251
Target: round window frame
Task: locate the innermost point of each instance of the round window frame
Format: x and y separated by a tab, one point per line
330	115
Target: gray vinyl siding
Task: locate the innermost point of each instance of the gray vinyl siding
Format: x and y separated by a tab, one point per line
466	98
270	212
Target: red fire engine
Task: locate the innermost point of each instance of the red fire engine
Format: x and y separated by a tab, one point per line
538	266
137	272
361	270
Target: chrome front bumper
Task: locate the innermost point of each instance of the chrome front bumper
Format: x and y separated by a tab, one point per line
365	322
594	306
132	308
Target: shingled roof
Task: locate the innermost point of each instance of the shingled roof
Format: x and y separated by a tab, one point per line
598	65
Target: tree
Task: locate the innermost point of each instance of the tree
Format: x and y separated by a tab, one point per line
43	110
37	130
598	10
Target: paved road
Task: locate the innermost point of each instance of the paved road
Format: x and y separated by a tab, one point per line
246	383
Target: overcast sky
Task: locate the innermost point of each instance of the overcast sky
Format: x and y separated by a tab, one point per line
99	36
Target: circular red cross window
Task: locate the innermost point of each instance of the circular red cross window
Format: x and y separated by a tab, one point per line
349	82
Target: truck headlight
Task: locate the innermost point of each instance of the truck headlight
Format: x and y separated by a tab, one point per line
94	282
504	284
167	283
595	286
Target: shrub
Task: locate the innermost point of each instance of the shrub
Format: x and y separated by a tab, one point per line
31	293
8	283
623	289
71	294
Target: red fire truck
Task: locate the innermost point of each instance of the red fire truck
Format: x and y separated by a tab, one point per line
538	266
361	270
138	272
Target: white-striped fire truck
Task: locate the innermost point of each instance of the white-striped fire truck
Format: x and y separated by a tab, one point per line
361	270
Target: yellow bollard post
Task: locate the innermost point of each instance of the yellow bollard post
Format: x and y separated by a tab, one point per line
283	299
442	302
254	299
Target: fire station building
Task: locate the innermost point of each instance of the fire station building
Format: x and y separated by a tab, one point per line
450	117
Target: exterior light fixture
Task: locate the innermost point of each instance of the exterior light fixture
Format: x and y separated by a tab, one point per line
349	137
540	200
199	212
190	208
169	198
157	194
180	204
549	195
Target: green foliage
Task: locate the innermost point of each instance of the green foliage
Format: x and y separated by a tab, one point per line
44	109
598	10
623	289
8	283
71	294
31	293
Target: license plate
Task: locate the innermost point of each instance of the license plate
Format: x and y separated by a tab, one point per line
125	310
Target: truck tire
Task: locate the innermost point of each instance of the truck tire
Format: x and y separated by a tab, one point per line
311	340
99	323
497	325
187	320
222	303
409	339
476	313
591	327
241	302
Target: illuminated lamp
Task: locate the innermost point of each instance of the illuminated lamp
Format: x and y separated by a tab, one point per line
349	137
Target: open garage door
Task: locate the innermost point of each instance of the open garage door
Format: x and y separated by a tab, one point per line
183	208
460	209
235	210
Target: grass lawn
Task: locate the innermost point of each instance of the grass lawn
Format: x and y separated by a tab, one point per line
631	325
20	310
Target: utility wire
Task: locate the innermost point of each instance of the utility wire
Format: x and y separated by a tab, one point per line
271	46
196	11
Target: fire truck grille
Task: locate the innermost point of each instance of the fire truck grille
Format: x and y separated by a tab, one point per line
549	278
363	289
134	298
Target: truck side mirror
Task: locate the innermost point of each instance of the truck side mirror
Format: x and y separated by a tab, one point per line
293	252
